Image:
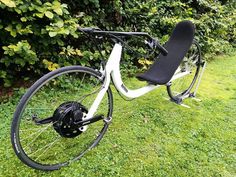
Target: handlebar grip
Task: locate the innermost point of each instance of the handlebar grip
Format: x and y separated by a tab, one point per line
162	49
87	30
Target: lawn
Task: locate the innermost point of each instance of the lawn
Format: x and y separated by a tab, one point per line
151	136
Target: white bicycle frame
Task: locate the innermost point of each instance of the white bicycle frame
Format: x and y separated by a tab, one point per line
112	71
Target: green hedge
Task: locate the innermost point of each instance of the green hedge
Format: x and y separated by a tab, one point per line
37	36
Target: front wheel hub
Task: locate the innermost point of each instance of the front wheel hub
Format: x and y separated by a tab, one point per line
65	119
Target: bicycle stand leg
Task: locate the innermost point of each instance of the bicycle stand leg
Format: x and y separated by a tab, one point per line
199	80
184	105
178	103
196	99
192	96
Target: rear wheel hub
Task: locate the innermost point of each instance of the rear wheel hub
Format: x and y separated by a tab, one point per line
65	119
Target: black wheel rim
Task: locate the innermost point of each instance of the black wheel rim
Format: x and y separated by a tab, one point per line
44	160
179	88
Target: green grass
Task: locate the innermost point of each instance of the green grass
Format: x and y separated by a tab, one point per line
151	136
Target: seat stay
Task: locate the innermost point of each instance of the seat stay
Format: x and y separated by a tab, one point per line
177	70
178	75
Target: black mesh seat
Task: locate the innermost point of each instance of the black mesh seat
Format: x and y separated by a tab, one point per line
162	70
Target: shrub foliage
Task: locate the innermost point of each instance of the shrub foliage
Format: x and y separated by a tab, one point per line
37	35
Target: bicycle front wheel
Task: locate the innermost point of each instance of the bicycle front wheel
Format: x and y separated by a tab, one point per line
180	88
45	132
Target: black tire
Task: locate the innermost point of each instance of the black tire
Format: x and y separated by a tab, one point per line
180	88
30	141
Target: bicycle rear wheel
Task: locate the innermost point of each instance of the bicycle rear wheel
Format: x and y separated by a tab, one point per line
45	133
181	87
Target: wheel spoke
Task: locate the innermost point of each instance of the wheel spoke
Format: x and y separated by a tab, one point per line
38	133
64	95
47	147
85	96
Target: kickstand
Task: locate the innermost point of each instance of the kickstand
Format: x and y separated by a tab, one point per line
193	95
184	105
180	103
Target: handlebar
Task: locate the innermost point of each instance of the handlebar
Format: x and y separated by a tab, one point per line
154	42
162	49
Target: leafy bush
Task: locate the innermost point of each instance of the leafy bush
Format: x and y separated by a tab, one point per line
215	20
31	32
37	36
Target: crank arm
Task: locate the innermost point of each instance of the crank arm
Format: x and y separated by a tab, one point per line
89	121
43	121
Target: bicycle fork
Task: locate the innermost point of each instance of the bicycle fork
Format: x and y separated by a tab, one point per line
112	61
193	94
199	79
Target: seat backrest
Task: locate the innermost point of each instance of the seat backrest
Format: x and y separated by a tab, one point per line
177	46
181	38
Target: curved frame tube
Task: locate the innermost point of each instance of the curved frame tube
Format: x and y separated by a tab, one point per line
112	70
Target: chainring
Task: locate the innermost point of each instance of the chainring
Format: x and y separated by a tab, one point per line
65	119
